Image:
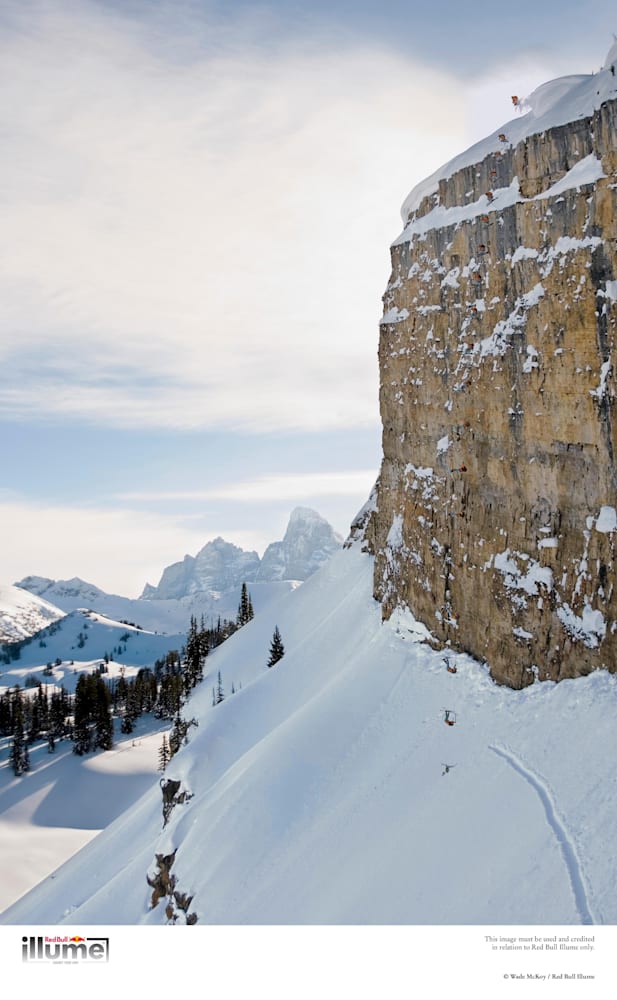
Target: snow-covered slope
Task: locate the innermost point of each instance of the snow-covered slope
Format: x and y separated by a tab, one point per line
66	800
554	103
319	793
22	614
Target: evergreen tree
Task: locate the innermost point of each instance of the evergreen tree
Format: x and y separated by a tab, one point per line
164	754
179	734
82	725
39	715
127	725
220	694
93	719
104	723
145	691
120	691
59	710
170	696
277	649
194	657
5	715
19	758
245	608
131	711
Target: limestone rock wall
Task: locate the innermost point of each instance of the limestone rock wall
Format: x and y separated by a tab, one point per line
495	513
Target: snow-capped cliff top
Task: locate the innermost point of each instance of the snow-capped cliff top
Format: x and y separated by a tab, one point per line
554	103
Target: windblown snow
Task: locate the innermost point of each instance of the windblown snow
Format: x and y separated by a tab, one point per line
319	792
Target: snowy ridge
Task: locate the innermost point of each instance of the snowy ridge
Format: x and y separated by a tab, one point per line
74	592
22	614
164	615
319	793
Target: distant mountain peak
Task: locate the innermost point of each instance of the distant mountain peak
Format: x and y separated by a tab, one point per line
43	585
309	541
305	514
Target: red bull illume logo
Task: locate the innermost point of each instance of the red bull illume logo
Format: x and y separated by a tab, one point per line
64	949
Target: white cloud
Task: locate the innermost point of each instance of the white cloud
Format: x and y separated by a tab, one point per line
118	550
301	486
202	240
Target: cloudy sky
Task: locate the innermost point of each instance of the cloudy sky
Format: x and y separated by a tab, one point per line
197	203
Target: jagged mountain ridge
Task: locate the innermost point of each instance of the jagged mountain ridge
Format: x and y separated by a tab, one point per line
308	542
217	567
207	584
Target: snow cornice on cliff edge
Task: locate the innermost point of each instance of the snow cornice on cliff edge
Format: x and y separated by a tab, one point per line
554	103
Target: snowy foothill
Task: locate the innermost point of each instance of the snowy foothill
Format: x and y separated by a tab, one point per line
329	790
22	613
163	615
88	637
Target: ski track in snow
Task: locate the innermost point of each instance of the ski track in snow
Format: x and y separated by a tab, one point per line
557	824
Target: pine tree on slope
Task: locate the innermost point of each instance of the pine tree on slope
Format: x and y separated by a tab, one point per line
19	757
277	649
164	754
245	608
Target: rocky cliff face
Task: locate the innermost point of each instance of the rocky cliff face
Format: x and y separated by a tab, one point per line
495	514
